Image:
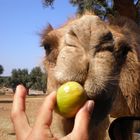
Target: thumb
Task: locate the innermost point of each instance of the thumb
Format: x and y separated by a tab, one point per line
82	121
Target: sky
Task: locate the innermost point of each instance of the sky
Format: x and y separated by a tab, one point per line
20	23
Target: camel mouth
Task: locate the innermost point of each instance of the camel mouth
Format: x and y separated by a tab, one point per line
94	96
90	95
100	95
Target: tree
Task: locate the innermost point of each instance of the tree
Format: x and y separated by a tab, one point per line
100	7
1	69
104	8
19	76
1	72
6	82
38	79
48	2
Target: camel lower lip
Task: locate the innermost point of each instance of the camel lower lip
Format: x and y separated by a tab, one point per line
95	96
90	96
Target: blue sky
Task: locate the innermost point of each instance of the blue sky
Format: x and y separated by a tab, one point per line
20	23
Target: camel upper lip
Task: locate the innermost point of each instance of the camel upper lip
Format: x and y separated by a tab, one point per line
89	96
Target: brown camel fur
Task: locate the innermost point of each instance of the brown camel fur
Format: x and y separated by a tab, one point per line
102	56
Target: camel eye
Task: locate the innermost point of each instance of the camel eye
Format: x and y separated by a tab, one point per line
107	37
47	48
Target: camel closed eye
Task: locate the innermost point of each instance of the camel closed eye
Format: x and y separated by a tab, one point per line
47	48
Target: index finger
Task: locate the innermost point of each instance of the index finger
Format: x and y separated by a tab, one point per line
45	113
18	115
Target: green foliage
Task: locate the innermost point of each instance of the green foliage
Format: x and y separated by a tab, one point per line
1	72
48	2
106	8
4	81
19	77
1	69
36	79
102	8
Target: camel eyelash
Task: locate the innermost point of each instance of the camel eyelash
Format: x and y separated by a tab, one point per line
47	48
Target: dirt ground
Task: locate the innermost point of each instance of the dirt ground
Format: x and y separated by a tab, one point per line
6	128
32	105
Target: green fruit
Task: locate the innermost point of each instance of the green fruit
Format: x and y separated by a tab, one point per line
70	98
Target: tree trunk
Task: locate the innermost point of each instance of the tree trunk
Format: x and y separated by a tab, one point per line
126	8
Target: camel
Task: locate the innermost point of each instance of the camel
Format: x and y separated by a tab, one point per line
104	57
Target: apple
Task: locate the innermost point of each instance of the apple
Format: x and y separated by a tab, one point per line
70	97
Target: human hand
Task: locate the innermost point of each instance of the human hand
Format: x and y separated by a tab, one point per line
41	129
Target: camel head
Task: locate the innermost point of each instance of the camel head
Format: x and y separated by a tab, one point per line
102	57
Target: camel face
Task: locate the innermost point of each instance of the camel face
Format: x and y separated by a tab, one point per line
84	53
103	58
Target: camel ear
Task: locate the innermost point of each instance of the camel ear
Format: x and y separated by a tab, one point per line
48	29
45	32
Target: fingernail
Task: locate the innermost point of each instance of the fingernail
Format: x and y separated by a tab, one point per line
90	106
